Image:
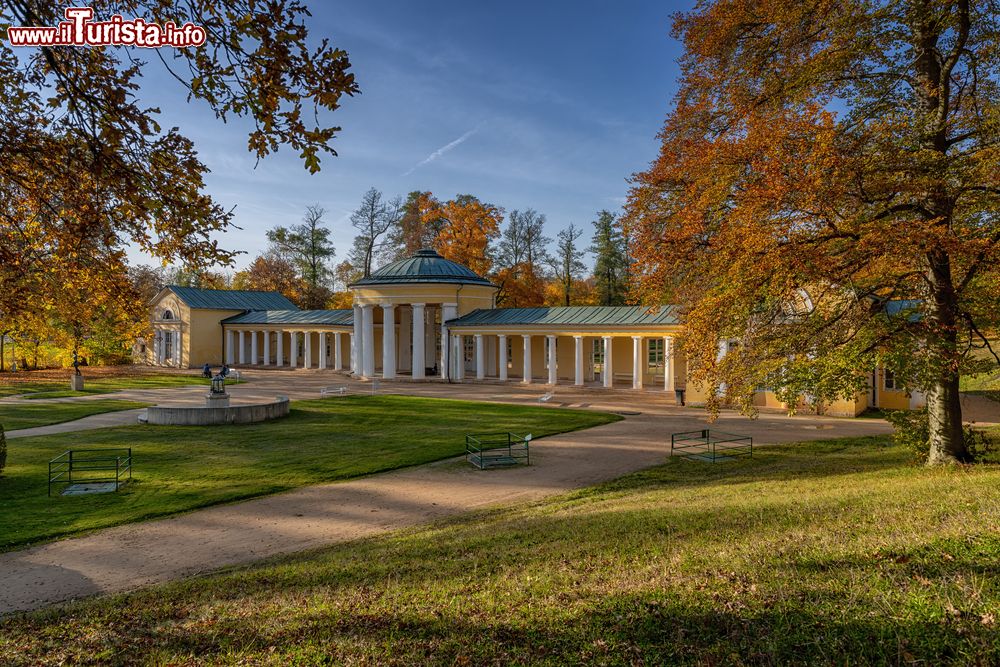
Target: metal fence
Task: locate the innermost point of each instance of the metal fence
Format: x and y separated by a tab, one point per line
709	445
488	450
91	466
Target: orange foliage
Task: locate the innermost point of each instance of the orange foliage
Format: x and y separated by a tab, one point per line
466	228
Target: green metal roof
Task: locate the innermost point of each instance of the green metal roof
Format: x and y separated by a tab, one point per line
569	315
331	317
426	266
221	299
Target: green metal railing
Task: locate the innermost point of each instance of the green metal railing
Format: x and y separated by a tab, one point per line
488	450
709	445
91	466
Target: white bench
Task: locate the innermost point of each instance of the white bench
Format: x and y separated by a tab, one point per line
333	391
546	397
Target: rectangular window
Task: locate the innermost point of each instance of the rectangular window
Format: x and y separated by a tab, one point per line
889	381
654	352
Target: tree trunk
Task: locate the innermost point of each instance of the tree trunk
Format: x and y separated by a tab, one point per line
944	413
944	406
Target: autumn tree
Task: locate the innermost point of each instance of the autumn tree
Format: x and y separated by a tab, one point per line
610	260
373	219
827	191
271	272
307	246
467	227
89	169
567	263
414	230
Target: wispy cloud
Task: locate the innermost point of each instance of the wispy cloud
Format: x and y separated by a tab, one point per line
441	151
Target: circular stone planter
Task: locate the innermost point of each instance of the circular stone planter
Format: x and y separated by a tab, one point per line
234	414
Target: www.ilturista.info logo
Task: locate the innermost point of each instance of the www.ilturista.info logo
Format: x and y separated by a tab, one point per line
79	30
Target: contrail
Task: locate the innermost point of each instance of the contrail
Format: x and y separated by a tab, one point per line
441	151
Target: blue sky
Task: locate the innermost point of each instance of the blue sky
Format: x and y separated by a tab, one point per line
548	105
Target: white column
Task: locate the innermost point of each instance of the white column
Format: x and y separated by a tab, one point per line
243	348
480	358
458	354
322	350
253	348
177	348
351	343
267	348
502	353
388	341
403	359
356	342
578	380
279	336
608	373
307	336
527	359
367	341
553	378
668	364
448	312
637	362
229	347
293	348
418	363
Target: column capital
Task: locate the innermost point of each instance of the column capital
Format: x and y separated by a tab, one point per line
577	337
526	336
478	335
387	305
550	336
417	305
637	337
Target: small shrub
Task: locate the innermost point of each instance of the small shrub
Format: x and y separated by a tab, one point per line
912	430
3	450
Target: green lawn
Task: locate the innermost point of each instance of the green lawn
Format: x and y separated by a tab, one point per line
835	552
983	384
29	415
179	468
97	385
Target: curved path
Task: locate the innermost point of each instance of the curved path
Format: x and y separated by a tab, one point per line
240	533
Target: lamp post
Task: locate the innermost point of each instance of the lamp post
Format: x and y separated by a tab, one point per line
217	397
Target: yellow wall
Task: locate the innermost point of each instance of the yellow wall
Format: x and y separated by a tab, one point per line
203	339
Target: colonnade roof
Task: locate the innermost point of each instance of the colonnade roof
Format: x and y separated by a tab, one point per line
569	316
224	299
425	266
328	317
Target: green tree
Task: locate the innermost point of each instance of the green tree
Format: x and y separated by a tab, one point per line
567	263
610	260
308	247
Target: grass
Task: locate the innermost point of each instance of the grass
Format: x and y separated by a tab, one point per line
18	416
834	552
983	384
99	385
178	468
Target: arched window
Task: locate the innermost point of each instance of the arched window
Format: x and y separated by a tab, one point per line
168	315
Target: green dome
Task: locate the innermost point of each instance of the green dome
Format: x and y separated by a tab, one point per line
425	266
